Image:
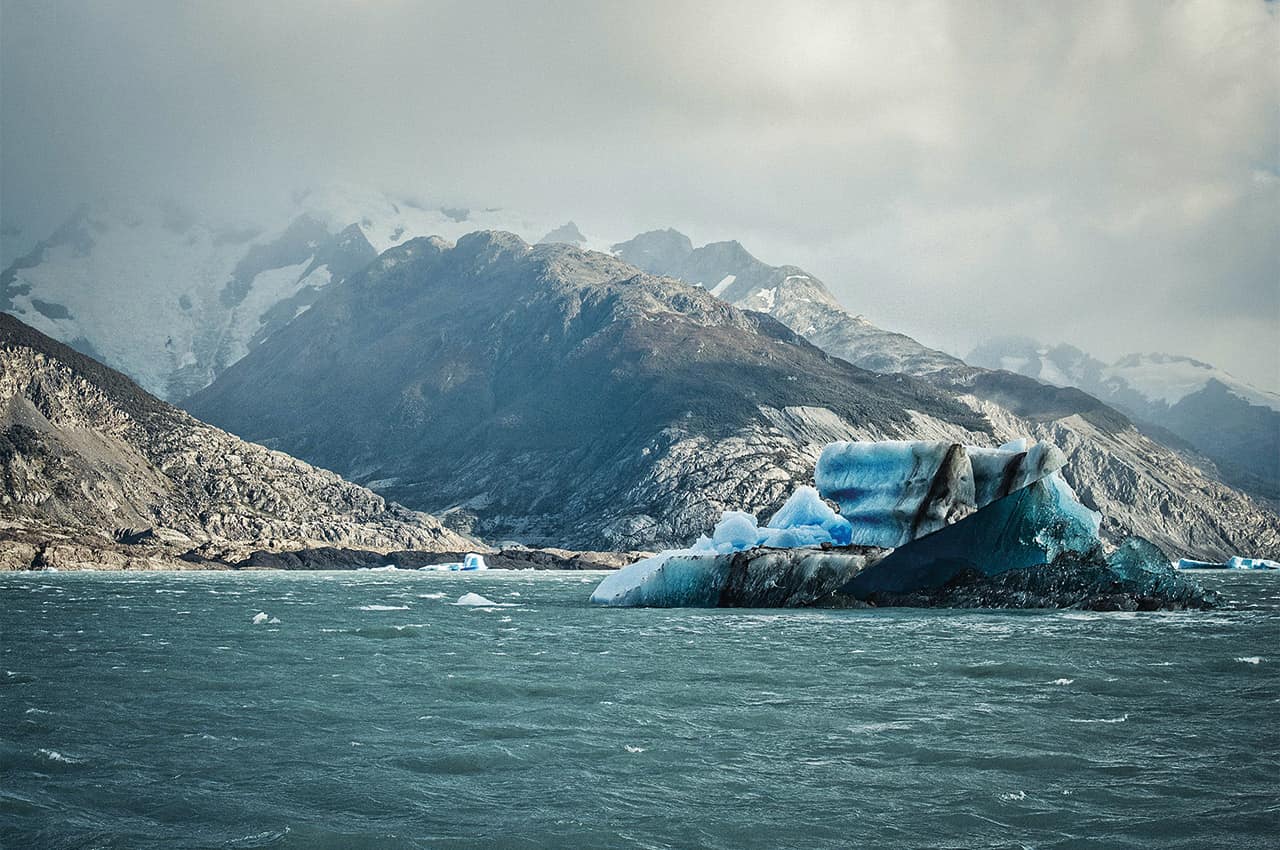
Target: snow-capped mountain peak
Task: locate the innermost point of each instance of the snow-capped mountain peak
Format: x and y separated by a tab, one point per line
1169	378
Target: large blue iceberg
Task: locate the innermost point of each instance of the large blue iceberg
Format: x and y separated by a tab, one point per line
916	521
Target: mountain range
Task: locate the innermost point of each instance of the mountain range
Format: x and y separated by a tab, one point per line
172	297
551	394
1123	470
557	395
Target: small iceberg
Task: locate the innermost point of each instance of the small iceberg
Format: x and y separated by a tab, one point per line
470	563
475	600
1233	563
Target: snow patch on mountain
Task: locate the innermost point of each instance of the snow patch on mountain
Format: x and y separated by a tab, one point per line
1170	378
725	283
172	298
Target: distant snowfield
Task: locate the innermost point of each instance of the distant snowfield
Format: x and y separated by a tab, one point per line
1169	378
143	286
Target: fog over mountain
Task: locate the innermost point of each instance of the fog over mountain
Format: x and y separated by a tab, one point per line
1107	175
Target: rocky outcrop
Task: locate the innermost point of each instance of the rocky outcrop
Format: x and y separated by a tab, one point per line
337	558
790	294
98	472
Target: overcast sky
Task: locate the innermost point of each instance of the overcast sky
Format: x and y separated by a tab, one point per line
1104	174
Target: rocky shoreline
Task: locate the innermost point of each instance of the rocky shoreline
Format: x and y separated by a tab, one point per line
24	552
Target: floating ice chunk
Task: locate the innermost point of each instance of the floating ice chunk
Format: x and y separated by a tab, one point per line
475	600
922	523
471	562
260	618
1238	563
1234	563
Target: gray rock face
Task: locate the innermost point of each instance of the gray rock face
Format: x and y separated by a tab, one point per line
561	397
85	452
567	233
1144	483
789	294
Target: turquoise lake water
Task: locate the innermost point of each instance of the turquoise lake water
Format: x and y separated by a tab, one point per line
149	710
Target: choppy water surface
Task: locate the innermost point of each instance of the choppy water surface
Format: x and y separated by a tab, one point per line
149	710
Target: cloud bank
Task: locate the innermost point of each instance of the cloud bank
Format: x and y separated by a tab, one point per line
1106	174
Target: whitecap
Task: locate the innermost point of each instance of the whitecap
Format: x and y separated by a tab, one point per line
431	596
54	755
632	749
1250	659
383	608
1124	717
1014	796
1062	681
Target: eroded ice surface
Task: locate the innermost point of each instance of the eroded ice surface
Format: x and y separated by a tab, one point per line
804	520
896	491
759	578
